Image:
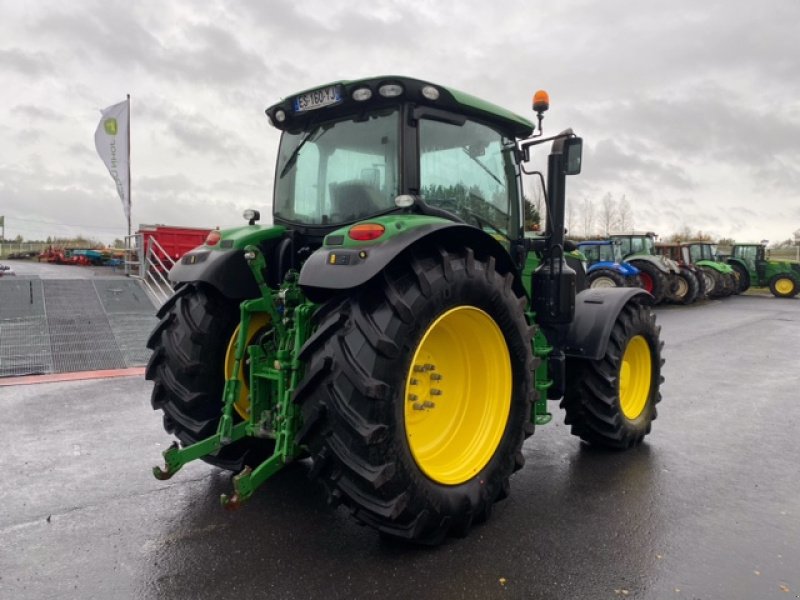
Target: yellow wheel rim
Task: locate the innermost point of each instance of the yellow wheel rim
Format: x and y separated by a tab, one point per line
458	395
784	286
635	374
258	321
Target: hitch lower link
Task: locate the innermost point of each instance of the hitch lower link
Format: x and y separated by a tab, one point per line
274	375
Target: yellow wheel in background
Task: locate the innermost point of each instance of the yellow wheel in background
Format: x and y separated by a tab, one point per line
458	395
784	286
635	376
258	322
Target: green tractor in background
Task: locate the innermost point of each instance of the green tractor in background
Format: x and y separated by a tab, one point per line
721	280
394	325
753	268
658	275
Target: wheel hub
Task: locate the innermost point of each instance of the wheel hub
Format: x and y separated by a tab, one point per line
457	395
635	377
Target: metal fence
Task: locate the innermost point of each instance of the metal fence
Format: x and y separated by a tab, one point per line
148	262
22	249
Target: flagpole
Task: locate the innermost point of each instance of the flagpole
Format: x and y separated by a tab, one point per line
130	201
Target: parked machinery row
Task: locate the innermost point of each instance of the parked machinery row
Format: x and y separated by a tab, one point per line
685	272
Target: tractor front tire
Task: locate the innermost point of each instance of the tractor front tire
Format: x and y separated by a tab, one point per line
783	286
417	395
605	278
187	367
611	402
688	287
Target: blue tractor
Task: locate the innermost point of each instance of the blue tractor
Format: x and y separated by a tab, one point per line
605	265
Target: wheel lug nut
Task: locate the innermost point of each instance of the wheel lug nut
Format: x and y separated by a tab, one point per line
428	404
429	367
412	397
436	377
419	368
418	406
413	381
436	392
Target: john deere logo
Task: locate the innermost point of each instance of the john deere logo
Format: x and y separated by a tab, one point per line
110	126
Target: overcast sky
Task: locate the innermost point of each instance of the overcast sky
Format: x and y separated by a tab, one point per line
689	109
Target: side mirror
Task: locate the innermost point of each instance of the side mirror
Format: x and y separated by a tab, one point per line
573	152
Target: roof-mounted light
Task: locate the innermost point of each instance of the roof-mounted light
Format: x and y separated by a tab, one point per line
430	92
280	116
541	101
251	215
390	90
362	94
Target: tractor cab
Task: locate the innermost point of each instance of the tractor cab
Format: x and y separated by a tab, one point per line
350	149
701	251
750	254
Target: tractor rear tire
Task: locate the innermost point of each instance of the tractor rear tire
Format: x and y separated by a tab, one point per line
688	287
187	367
398	452
653	280
744	277
717	288
605	278
611	402
731	284
783	286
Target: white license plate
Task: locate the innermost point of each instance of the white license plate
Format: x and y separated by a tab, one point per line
318	98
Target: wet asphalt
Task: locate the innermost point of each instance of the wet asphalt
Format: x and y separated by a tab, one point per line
708	507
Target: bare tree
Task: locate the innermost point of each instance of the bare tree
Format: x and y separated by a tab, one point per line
570	216
624	215
608	213
587	217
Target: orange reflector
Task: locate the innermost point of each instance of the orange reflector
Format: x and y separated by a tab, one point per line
213	237
364	232
541	101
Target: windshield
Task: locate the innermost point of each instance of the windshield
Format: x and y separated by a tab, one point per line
339	172
703	252
469	170
636	245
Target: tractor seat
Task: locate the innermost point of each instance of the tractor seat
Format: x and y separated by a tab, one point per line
351	200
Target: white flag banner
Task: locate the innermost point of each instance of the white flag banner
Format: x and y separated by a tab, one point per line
111	141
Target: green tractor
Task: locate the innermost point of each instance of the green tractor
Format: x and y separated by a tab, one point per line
658	275
753	268
394	326
720	279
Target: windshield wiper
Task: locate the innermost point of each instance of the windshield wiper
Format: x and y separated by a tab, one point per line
296	152
482	166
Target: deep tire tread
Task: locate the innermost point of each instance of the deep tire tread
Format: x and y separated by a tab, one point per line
356	441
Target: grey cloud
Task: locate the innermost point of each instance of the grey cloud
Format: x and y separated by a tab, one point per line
610	160
31	64
38	113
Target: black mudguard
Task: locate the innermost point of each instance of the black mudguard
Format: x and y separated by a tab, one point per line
596	311
225	270
333	269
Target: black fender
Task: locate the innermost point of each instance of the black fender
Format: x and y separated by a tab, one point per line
227	270
333	269
596	311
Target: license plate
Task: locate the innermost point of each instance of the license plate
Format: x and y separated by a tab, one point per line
318	98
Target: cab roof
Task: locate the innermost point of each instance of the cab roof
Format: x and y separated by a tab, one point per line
448	99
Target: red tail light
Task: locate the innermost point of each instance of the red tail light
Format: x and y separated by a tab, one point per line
364	232
213	237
